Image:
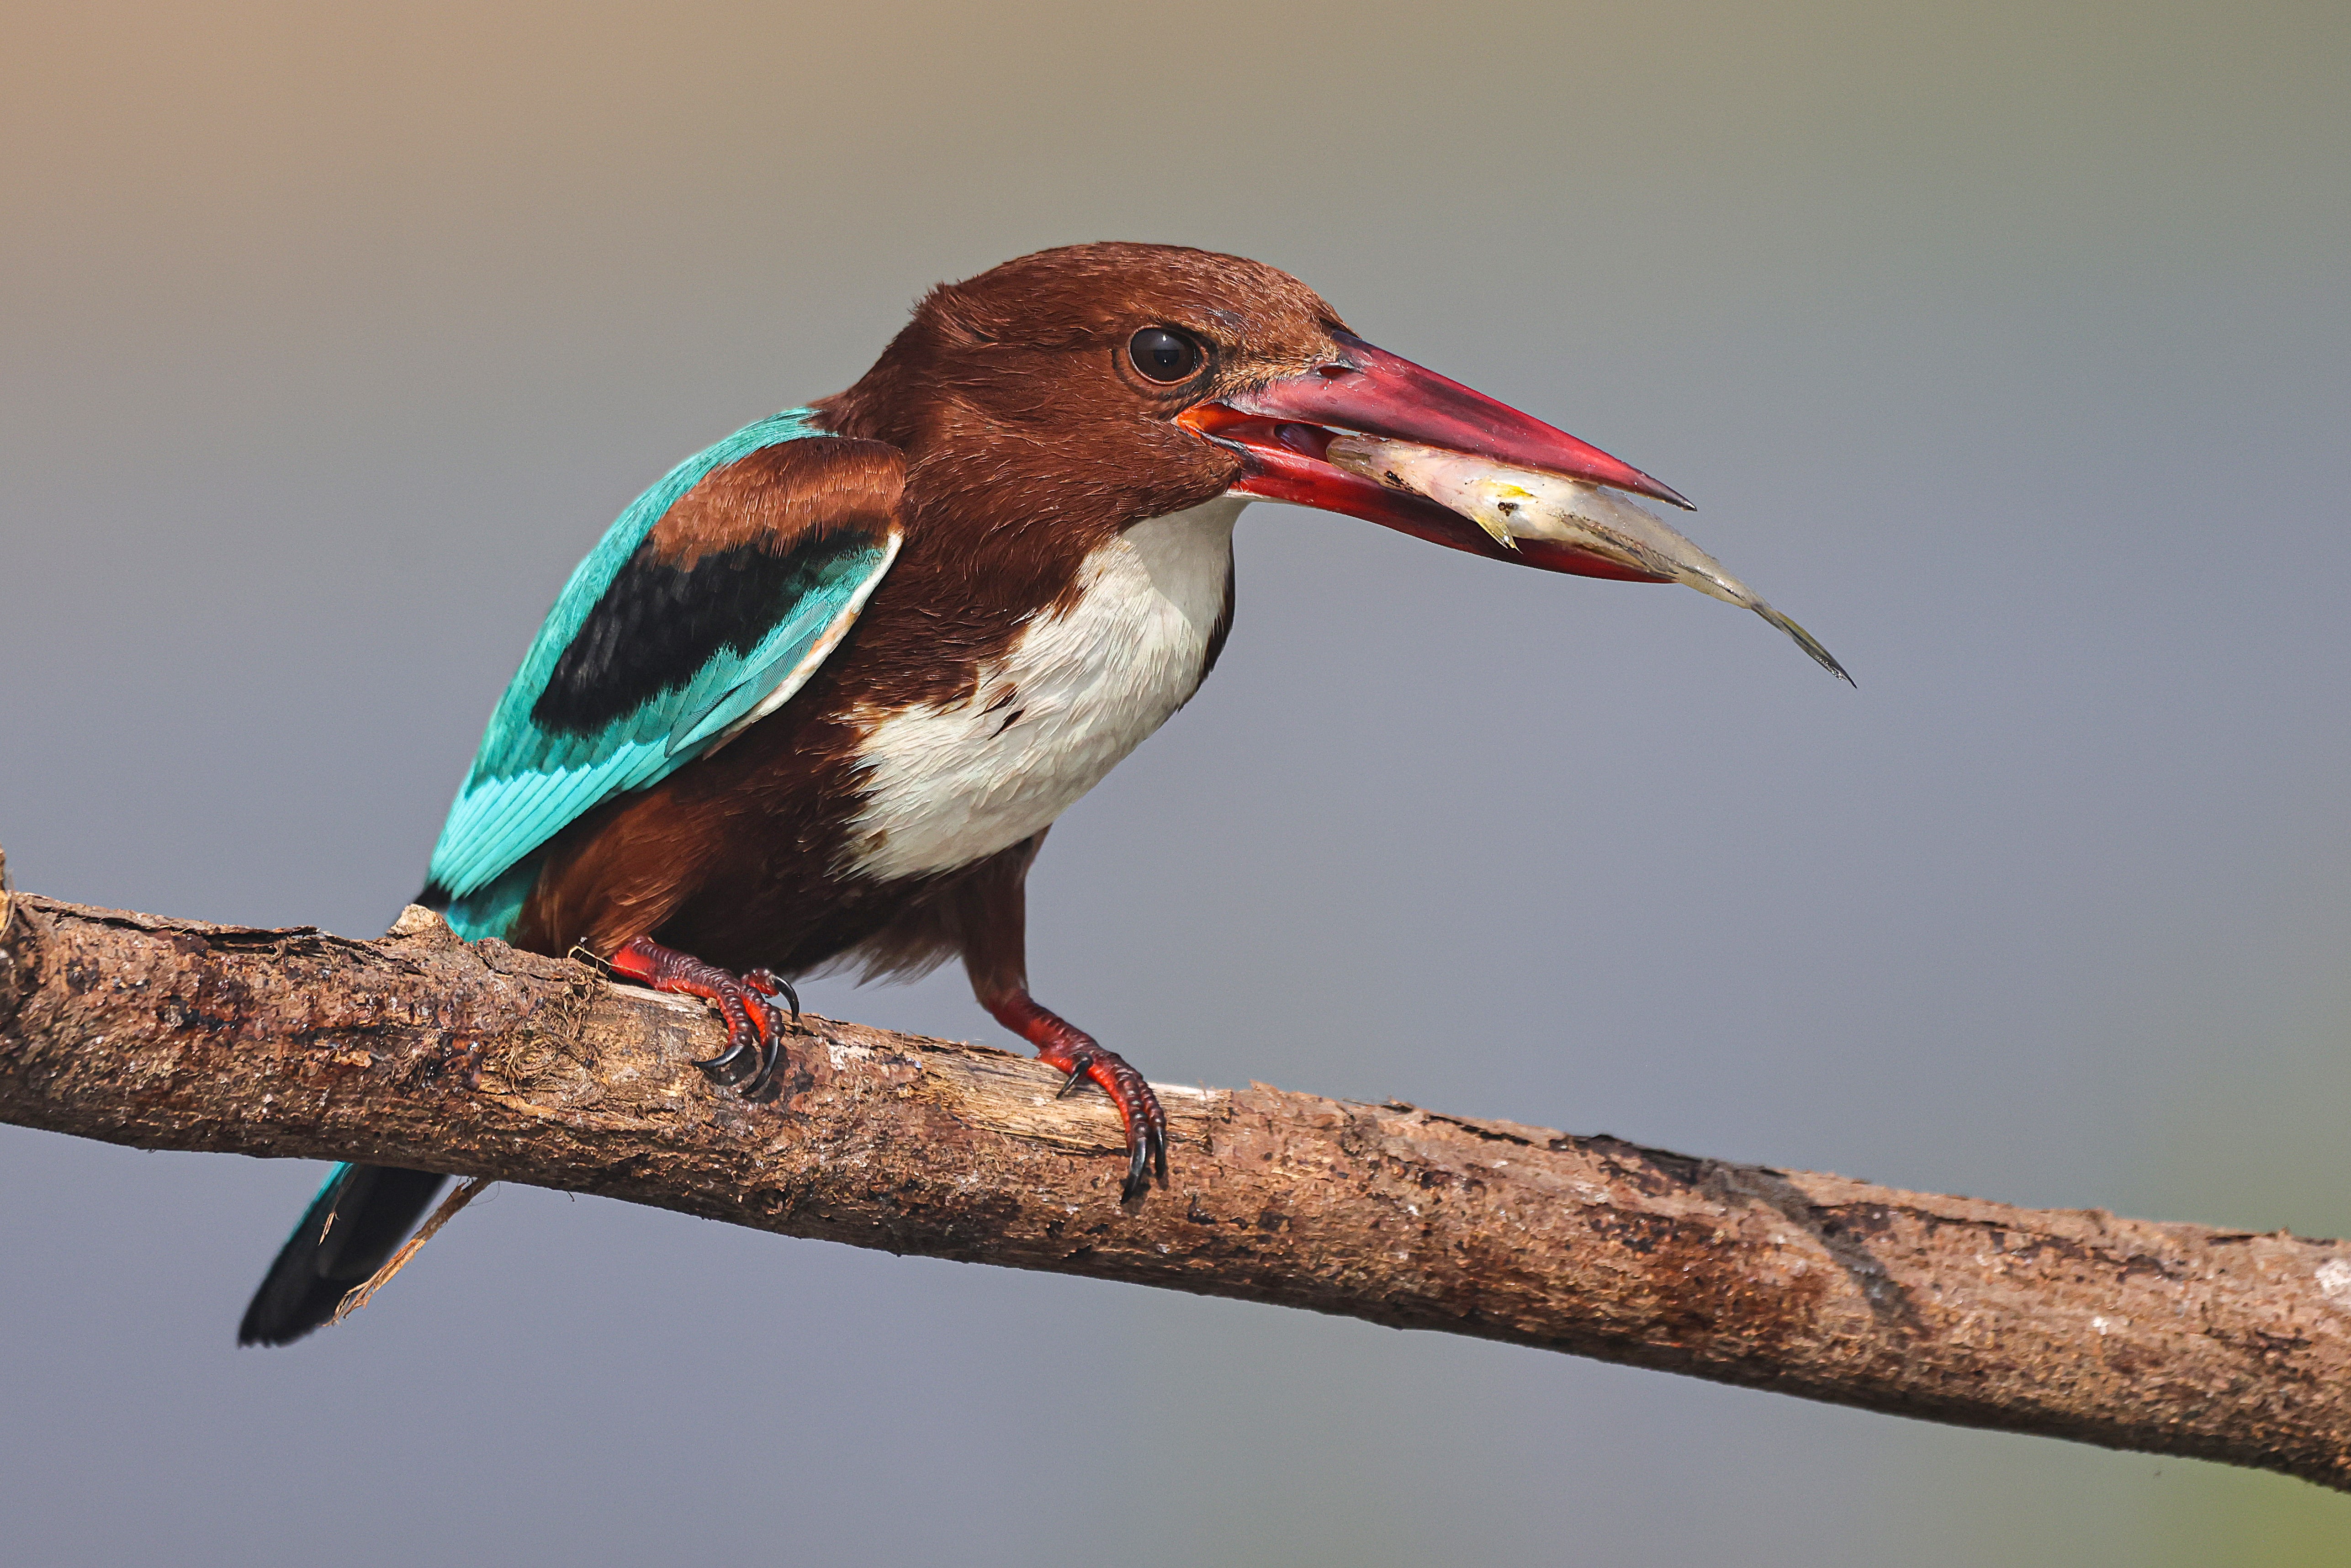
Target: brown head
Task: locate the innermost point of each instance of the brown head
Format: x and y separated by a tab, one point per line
1096	385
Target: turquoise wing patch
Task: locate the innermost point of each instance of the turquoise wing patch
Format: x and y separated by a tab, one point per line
626	683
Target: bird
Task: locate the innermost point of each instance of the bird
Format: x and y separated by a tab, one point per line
816	696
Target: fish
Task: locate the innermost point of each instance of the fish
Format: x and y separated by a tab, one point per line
1512	504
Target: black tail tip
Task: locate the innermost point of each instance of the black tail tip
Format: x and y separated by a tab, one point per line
351	1229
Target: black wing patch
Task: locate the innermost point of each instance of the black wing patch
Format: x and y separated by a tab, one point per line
658	624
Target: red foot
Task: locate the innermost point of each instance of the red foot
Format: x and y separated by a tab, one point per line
746	1004
1074	1051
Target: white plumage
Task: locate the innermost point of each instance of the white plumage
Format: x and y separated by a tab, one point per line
948	785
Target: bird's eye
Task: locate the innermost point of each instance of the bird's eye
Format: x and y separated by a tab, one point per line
1162	354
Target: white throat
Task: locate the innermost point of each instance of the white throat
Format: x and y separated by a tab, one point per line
1077	690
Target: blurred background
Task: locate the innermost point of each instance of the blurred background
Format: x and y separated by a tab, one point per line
2006	345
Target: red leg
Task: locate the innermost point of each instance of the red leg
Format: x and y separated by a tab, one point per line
1074	1051
985	915
746	1004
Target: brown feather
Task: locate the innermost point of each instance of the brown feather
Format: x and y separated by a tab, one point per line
784	496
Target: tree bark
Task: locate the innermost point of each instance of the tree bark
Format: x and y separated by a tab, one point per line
480	1061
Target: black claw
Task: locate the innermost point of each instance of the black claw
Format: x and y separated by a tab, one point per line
742	1035
718	1068
1072	1084
771	982
726	1077
771	1052
749	1088
1138	1179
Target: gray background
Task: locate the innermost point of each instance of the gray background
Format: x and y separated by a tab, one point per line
2009	350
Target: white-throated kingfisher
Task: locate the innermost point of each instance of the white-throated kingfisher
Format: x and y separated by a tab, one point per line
818	696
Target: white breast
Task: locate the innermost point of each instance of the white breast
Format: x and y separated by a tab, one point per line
945	786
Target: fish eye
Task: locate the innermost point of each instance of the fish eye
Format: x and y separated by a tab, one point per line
1164	355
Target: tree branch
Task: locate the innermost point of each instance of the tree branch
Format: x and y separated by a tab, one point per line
480	1061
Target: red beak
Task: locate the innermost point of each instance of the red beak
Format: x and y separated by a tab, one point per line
1284	428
